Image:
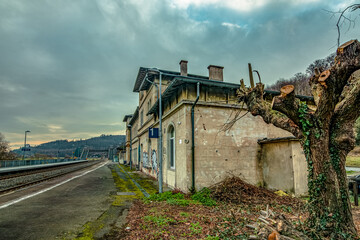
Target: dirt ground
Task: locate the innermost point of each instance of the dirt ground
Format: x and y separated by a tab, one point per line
235	216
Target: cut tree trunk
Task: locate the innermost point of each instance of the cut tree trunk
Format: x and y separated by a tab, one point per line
326	134
329	208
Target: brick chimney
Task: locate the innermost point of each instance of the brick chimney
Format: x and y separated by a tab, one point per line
183	67
216	73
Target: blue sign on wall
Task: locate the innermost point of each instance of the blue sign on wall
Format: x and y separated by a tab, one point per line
153	132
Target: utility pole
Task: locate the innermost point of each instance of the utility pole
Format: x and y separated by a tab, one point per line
27	131
160	138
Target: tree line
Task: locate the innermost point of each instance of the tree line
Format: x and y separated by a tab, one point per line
5	151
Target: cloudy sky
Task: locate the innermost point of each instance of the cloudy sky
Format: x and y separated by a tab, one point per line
67	68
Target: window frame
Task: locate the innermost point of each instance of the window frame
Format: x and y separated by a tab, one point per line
171	140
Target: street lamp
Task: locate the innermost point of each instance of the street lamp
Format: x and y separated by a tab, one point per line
27	131
154	71
129	126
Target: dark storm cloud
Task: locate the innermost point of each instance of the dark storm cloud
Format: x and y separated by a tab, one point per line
67	68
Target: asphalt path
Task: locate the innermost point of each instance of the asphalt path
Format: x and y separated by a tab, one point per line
60	209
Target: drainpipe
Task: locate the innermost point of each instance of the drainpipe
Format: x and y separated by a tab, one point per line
129	126
139	157
193	139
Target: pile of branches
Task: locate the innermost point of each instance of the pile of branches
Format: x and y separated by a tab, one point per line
275	227
235	190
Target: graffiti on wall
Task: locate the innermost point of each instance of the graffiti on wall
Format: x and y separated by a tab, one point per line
154	162
146	160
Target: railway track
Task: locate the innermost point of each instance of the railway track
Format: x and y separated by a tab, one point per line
34	171
13	182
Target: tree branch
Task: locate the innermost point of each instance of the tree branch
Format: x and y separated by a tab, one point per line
253	98
287	103
352	8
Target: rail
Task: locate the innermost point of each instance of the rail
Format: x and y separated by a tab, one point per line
19	163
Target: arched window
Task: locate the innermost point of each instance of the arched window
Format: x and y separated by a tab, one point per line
171	146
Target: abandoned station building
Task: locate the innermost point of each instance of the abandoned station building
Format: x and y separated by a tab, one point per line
257	152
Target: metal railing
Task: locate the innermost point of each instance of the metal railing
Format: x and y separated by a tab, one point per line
18	163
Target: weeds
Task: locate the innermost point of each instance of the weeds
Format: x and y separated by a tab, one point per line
159	220
180	202
212	238
164	196
184	214
195	228
204	197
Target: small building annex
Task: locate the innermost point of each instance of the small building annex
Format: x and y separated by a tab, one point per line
197	152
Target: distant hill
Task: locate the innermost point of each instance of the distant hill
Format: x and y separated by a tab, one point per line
66	148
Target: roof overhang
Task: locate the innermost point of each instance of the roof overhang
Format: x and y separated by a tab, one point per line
178	81
142	84
126	117
135	116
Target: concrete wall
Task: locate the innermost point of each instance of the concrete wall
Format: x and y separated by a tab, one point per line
284	166
235	152
300	169
277	166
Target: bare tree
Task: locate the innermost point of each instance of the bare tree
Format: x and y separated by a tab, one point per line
326	134
321	64
300	82
5	153
343	18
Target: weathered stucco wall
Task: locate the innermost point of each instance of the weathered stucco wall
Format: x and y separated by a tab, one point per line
178	177
300	169
277	166
235	152
284	166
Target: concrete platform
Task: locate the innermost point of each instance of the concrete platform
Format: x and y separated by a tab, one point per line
32	167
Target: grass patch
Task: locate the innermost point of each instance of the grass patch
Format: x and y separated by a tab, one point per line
352	161
148	184
201	197
159	220
179	202
184	214
350	172
195	228
164	196
204	198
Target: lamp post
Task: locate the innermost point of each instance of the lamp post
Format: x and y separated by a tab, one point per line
160	130
129	126
155	71
27	131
